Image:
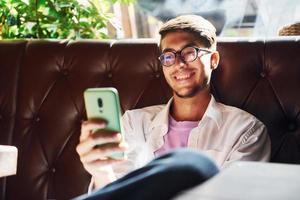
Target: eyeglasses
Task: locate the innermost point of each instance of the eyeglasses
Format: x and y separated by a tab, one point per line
187	54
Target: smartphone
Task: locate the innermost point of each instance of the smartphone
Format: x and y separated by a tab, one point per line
104	103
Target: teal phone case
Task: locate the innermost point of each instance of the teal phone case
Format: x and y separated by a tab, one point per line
104	103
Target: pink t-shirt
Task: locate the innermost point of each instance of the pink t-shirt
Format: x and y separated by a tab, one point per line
177	135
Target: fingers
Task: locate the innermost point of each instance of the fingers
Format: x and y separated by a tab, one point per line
88	126
102	152
97	165
97	145
100	138
97	140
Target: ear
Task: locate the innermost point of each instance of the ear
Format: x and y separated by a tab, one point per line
214	60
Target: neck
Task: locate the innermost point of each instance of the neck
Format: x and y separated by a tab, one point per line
190	109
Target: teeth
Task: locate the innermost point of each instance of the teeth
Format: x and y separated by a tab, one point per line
181	77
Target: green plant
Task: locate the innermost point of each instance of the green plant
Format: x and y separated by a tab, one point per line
61	19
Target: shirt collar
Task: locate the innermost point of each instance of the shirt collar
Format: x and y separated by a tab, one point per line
162	118
213	111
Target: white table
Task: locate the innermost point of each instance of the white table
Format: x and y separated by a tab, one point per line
8	160
250	180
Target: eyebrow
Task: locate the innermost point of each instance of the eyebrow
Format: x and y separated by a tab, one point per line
173	50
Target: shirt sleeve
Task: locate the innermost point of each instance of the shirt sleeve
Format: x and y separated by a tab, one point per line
91	186
131	137
253	145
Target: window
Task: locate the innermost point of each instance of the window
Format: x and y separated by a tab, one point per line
232	18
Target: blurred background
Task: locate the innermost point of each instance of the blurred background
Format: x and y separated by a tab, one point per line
117	19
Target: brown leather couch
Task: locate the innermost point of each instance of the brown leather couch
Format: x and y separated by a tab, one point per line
41	103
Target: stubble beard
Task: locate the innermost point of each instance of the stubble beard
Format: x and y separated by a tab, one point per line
194	90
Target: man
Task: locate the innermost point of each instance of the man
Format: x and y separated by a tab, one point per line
192	118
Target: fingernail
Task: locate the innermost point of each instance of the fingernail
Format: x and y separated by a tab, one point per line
123	145
100	126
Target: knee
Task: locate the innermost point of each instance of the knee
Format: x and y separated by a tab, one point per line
191	162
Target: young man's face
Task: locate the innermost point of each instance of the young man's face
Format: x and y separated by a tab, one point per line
186	79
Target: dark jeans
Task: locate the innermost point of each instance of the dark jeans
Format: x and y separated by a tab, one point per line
161	179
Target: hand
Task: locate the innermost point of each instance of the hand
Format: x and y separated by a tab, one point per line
94	146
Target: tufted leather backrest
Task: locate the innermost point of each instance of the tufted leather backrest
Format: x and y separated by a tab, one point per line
263	78
10	58
41	103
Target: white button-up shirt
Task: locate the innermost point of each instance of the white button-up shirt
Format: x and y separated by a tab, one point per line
225	133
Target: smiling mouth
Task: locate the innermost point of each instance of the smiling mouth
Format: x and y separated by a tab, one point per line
185	76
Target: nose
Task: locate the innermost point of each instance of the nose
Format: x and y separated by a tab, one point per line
179	62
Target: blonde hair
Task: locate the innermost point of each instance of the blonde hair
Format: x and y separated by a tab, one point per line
201	28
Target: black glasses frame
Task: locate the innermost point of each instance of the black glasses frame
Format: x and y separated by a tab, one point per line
178	53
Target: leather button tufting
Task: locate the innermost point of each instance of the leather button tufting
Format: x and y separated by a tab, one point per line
263	74
157	75
292	126
37	119
65	72
109	75
53	170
